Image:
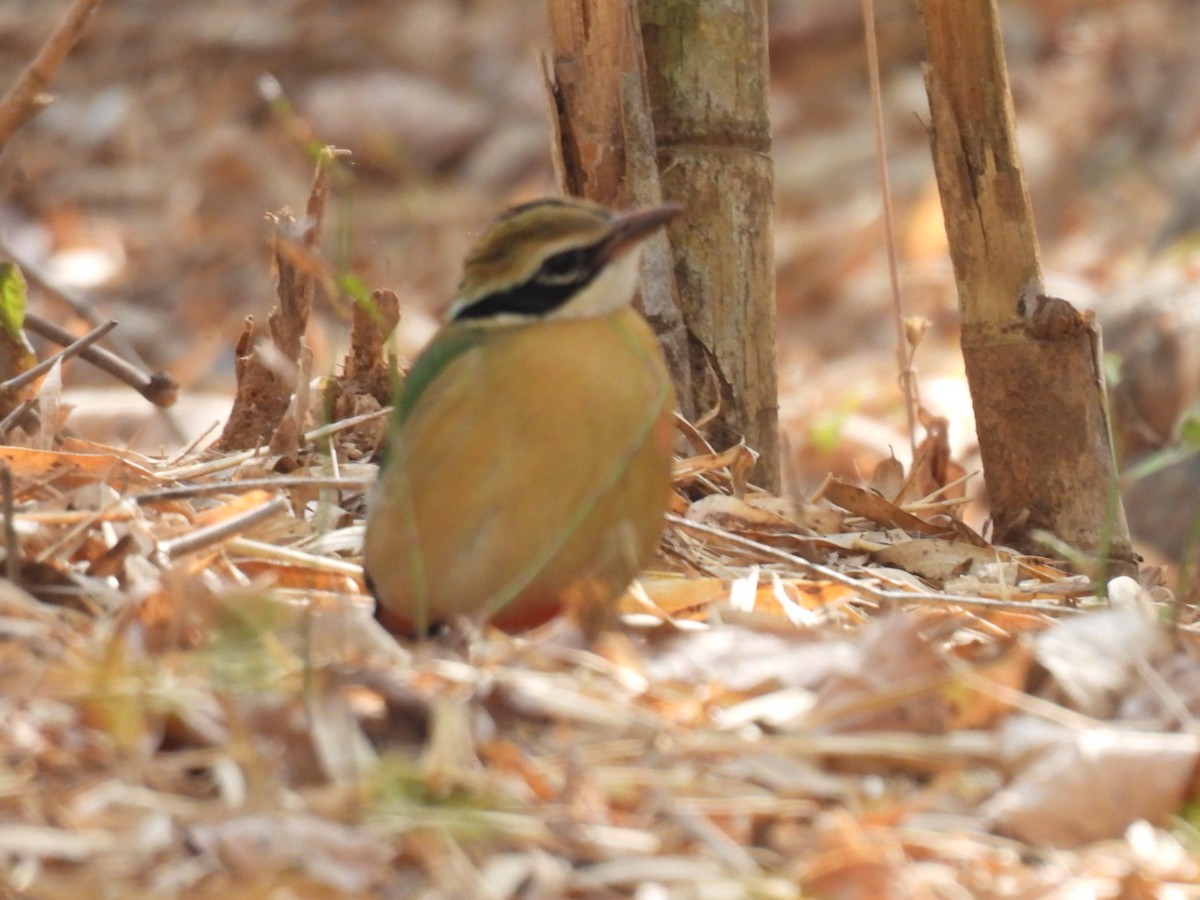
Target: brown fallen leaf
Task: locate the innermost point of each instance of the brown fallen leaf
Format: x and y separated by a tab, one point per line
937	561
869	505
1075	785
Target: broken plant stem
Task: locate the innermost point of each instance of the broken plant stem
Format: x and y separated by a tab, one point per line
159	388
220	531
81	307
72	349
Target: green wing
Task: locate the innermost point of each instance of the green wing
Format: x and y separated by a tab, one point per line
451	343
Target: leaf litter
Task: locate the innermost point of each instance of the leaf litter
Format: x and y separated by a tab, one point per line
805	696
849	693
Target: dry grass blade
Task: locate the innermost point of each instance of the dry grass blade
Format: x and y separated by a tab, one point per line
224	462
186	492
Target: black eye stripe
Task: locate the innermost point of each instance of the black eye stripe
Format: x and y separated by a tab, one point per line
534	298
559	278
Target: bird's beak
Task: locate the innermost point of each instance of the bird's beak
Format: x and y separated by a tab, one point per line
635	225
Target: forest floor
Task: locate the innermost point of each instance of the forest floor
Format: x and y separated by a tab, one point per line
843	692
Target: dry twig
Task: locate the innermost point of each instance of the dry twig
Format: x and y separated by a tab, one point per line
27	97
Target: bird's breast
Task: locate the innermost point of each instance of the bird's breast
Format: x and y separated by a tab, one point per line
534	467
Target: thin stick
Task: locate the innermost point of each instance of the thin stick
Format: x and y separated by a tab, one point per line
236	459
81	307
17	416
871	593
261	550
959	745
249	484
220	531
159	388
903	356
73	349
27	97
183	453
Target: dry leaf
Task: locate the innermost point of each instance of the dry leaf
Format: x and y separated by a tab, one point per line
935	561
1098	659
870	505
1074	785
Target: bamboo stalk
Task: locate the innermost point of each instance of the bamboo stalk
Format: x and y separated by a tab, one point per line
706	61
668	99
1033	362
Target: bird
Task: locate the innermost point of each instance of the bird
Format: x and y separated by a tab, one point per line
526	470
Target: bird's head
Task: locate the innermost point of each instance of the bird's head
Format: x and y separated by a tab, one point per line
559	258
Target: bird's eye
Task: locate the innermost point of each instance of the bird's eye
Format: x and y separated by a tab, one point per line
563	268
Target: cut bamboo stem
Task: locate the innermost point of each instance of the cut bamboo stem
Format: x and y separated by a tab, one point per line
1033	362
